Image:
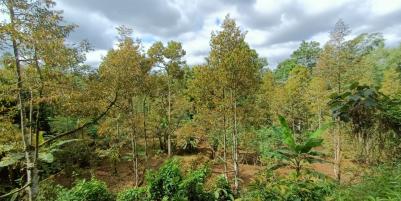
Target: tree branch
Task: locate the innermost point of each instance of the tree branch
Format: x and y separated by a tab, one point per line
15	191
83	126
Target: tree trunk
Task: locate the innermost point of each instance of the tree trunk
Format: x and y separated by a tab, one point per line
32	172
144	128
30	116
337	153
225	137
235	146
169	118
134	155
134	144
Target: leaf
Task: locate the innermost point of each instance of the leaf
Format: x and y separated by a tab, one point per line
354	85
311	143
62	142
320	131
287	133
6	148
11	159
46	157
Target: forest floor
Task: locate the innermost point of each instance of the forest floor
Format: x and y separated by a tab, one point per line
124	178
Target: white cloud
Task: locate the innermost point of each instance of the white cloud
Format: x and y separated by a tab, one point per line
95	57
275	28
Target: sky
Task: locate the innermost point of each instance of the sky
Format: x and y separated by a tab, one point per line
274	28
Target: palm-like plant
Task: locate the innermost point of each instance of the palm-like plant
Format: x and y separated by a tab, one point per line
295	153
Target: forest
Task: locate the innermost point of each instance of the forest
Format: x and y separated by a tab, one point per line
325	124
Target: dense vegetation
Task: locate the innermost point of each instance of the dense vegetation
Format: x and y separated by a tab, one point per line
324	125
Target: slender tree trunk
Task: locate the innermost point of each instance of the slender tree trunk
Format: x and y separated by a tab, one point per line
320	116
30	116
337	153
32	173
169	118
337	137
144	128
134	155
225	137
235	144
134	144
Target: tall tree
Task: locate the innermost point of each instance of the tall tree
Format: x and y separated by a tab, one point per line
332	66
125	71
36	34
170	60
238	67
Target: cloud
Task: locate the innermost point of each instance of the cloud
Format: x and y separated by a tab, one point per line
275	28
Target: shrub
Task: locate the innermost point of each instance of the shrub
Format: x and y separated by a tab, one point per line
291	189
164	184
384	183
133	194
222	190
170	184
92	190
191	187
48	190
73	155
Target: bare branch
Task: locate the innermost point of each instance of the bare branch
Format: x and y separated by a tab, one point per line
15	191
83	126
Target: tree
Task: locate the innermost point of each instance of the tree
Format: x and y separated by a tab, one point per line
168	59
238	68
265	98
332	65
391	85
360	106
307	54
295	106
283	70
124	71
317	97
36	35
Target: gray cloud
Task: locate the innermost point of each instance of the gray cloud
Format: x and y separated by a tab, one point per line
289	21
151	16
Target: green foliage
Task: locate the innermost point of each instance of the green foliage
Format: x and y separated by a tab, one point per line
222	190
358	105
48	190
133	194
168	183
191	186
391	114
307	54
296	153
60	124
267	142
290	189
283	70
11	159
382	184
164	184
92	190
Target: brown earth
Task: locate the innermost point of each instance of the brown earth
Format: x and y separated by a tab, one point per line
125	176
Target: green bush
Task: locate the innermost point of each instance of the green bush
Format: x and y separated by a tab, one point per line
92	190
222	190
48	190
133	194
290	189
191	187
164	184
384	183
170	184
